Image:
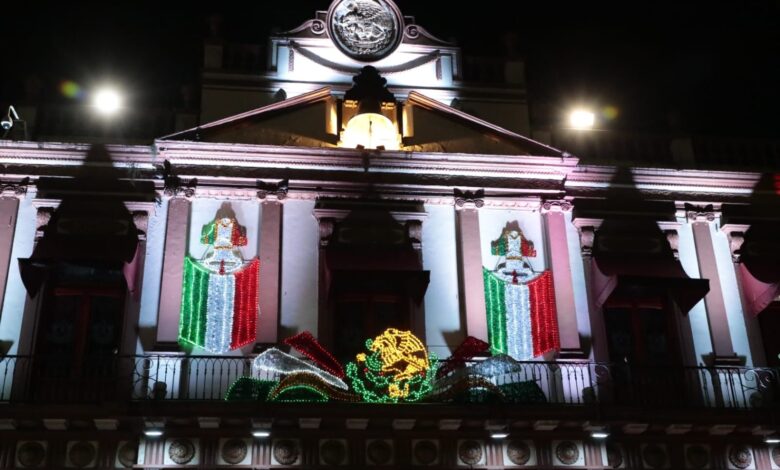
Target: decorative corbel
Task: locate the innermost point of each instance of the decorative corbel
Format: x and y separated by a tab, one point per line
587	229
736	237
671	231
272	191
327	225
469	199
414	231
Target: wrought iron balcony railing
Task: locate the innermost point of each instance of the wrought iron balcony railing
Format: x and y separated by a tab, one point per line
115	379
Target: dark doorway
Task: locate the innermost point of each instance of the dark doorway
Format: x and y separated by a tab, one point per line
769	322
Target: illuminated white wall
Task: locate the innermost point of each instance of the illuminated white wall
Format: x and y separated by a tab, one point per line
150	288
300	268
702	342
443	328
731	296
579	287
15	293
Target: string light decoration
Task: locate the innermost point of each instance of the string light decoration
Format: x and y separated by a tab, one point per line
220	292
290	387
470	348
275	361
306	344
520	303
397	368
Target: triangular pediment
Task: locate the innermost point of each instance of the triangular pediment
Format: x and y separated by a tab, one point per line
304	121
296	122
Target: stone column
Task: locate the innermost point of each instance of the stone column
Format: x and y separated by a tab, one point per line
471	283
176	237
717	316
598	330
9	207
558	249
270	254
736	236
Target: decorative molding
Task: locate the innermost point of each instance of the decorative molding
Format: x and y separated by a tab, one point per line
42	218
736	237
327	225
469	199
173	185
414	231
272	191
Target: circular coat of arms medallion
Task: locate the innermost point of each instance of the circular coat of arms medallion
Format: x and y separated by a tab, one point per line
365	30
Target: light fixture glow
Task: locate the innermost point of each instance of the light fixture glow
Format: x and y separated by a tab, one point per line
370	131
499	435
260	433
582	119
107	101
599	435
153	432
772	440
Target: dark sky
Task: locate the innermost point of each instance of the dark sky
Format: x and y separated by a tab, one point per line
709	68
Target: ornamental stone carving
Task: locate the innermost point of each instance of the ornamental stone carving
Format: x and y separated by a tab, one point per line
567	452
700	213
469	199
181	451
234	451
31	454
654	456
273	191
426	452
470	452
697	456
286	451
81	454
127	454
379	452
174	185
14	189
518	452
365	30
614	456
556	206
740	456
333	452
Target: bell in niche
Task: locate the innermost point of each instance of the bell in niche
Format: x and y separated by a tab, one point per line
369	111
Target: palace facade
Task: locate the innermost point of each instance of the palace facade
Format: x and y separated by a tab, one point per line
345	267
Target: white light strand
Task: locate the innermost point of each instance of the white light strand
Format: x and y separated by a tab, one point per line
518	321
276	361
219	320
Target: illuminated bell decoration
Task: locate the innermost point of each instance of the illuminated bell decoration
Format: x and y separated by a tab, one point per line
220	292
369	111
396	368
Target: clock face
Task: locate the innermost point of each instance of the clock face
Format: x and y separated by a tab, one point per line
365	30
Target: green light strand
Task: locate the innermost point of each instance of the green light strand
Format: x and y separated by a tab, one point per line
192	322
496	312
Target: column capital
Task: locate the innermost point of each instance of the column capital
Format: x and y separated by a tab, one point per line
469	199
736	237
702	214
173	185
272	192
17	189
556	206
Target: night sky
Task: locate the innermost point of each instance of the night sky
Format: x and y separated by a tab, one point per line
698	67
